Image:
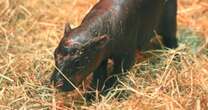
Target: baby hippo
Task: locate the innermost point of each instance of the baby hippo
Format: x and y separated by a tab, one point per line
113	29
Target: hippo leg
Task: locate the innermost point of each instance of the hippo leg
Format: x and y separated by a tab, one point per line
120	65
99	77
167	26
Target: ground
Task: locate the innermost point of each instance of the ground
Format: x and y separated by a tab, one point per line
30	31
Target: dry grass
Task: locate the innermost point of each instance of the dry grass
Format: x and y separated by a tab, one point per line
30	30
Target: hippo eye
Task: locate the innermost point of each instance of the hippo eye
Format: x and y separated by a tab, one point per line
77	62
70	51
76	45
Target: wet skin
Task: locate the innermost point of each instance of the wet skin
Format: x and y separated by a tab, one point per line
113	29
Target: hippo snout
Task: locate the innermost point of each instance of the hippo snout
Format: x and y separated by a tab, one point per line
60	82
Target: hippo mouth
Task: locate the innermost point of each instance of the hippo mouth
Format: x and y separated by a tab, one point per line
66	83
60	81
65	86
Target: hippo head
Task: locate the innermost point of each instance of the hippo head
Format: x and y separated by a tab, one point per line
75	60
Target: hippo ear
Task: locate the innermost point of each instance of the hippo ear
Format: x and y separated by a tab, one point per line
67	29
101	41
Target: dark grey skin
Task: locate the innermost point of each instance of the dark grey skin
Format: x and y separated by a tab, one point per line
113	29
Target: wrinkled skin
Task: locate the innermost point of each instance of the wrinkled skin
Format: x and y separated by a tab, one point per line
73	63
113	29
